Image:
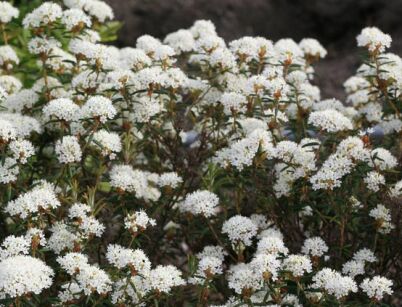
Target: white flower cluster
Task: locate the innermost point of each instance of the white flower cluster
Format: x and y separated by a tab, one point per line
190	169
240	229
376	287
373	39
201	202
23	275
68	150
40	198
334	283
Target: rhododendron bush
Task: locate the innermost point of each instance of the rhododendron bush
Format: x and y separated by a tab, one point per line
190	171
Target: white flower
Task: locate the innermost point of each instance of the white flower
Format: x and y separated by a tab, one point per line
208	267
8	57
75	18
91	226
7	131
75	3
138	221
164	278
201	202
373	39
334	283
382	159
135	59
22	150
374	181
271	232
72	263
331	172
8	171
251	48
98	9
353	147
355	83
271	245
266	265
61	238
222	58
79	211
383	218
298	265
242	278
145	108
202	28
41	45
122	257
98	107
68	150
124	177
22	275
312	48
171	179
241	153
14	246
10	84
164	54
43	15
109	142
212	251
315	247
63	109
91	279
396	190
23	125
148	44
233	103
174	78
7	12
353	268
180	41
364	255
288	51
330	120
240	229
42	196
207	44
376	287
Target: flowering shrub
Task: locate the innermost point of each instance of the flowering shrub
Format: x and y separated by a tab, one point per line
190	171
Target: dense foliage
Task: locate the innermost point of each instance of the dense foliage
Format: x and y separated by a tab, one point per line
191	171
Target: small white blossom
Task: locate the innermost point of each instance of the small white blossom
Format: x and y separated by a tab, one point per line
7	12
330	121
98	107
240	229
22	275
164	278
68	149
315	247
298	265
201	202
373	39
376	287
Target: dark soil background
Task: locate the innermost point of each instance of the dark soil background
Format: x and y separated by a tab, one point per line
335	23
